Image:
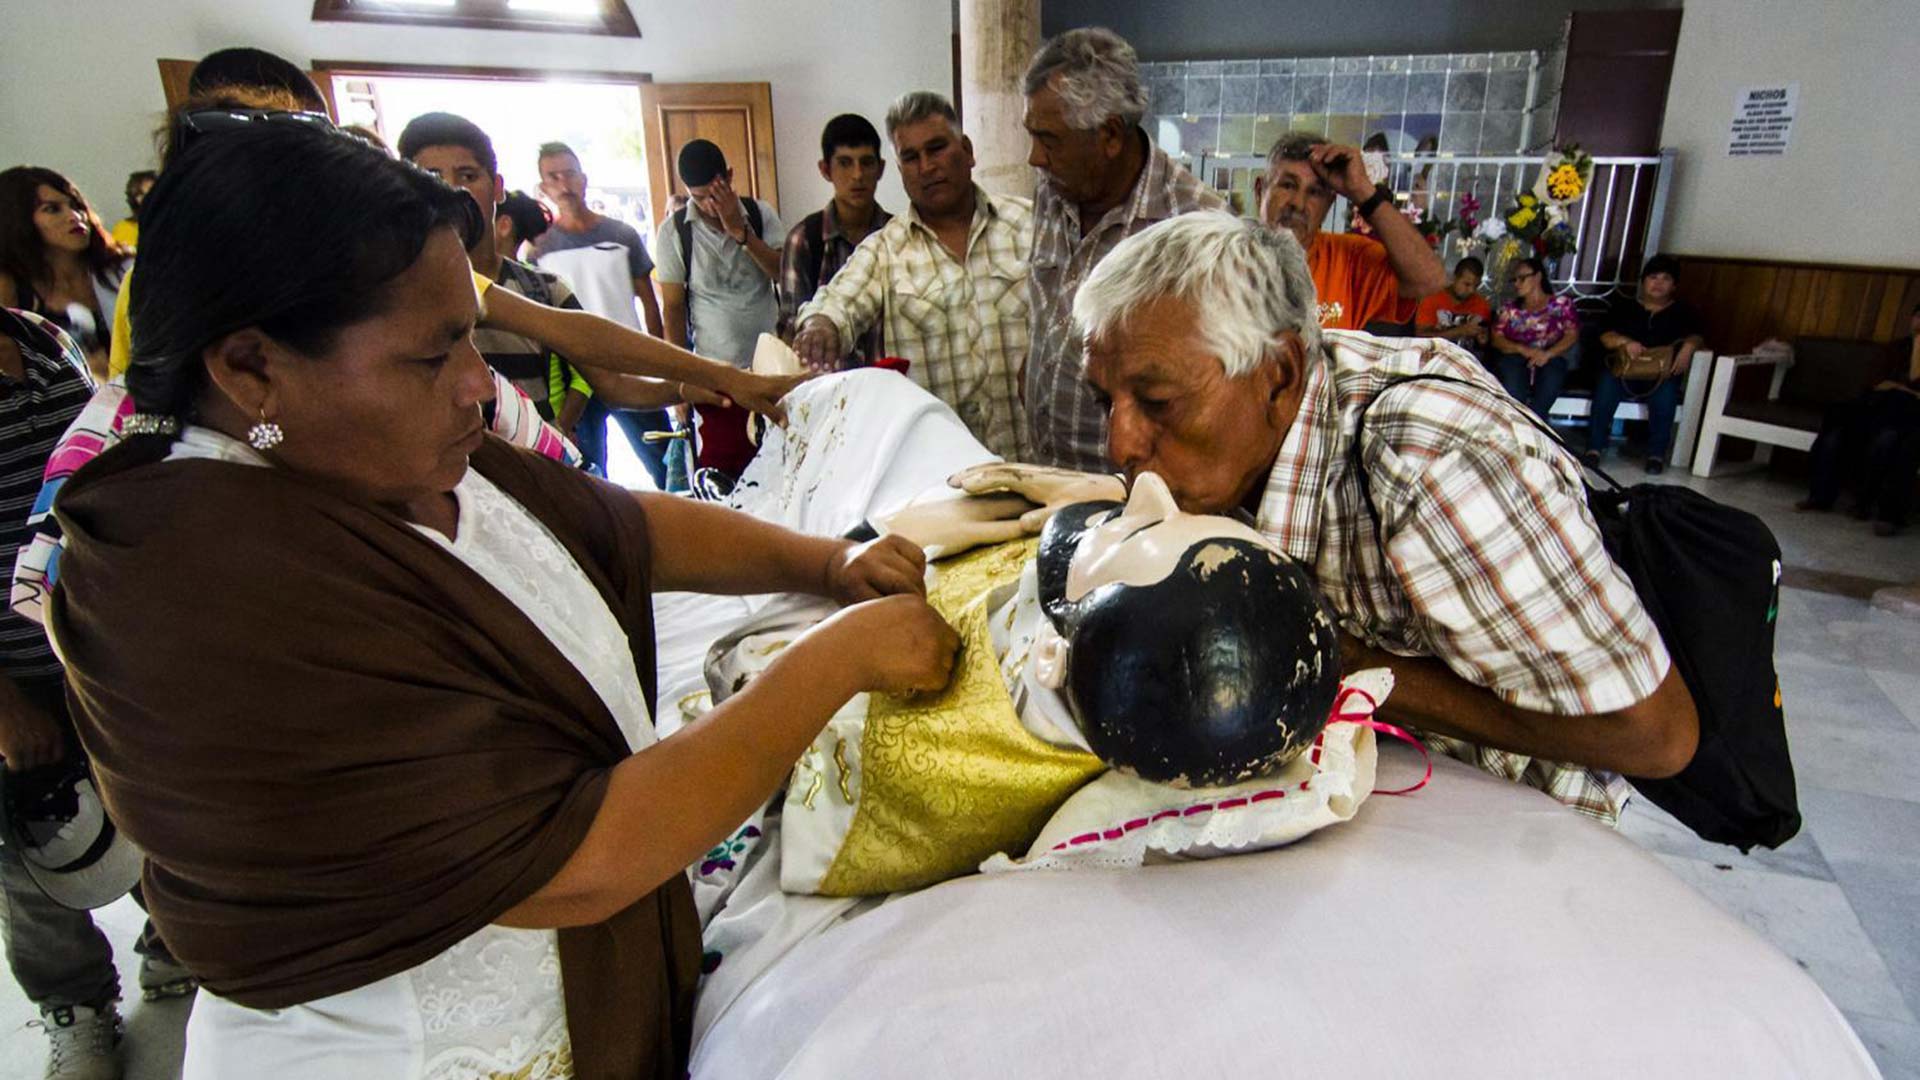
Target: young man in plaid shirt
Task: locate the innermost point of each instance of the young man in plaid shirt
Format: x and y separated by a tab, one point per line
1516	642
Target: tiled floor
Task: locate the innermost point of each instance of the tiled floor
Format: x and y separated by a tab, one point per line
1842	898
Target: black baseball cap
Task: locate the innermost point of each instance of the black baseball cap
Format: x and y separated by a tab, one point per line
53	818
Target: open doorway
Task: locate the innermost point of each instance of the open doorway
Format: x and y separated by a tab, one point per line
600	117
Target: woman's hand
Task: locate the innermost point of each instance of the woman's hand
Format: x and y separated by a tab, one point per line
1634	349
888	566
760	393
694	394
1537	357
897	644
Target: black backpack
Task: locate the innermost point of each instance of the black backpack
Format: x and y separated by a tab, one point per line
1709	577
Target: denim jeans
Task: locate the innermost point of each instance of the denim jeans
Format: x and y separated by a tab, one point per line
1536	388
1662	403
652	455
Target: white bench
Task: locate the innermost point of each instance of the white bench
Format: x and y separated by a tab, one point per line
1716	424
1686	417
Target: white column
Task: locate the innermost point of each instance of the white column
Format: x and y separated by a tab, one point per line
997	39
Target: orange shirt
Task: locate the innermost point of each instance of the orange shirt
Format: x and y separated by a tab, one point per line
1354	280
1444	311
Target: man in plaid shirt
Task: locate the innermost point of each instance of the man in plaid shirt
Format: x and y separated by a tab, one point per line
947	279
1516	642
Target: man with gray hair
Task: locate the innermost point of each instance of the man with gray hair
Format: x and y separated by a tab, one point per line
949	277
1478	575
1360	279
1102	180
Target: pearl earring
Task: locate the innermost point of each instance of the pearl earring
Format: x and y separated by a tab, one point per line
265	435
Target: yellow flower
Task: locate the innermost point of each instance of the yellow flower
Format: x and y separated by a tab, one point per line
1564	183
1527	199
1522	218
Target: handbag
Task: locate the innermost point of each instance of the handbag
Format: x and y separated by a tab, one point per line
1652	364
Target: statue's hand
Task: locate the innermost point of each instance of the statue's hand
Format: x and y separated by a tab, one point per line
1048	488
948	526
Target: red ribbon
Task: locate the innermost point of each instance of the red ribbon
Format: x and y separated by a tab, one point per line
1366	720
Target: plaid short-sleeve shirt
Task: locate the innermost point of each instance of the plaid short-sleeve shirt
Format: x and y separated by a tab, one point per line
962	323
1486	556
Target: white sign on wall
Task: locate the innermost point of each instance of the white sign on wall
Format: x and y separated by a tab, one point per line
1762	120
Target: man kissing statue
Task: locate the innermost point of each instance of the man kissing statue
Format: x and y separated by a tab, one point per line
1182	652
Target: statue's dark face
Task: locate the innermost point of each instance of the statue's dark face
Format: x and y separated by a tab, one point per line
1191	651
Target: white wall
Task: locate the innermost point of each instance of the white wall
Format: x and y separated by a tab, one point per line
82	94
1843	193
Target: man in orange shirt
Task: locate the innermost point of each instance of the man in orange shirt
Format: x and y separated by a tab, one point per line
1458	312
1359	280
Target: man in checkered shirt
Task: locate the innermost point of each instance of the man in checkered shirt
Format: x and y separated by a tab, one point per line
1515	641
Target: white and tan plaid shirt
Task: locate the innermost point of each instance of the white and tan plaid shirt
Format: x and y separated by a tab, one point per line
1069	425
1490	561
963	325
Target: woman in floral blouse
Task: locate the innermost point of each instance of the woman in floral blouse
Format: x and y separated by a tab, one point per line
1536	337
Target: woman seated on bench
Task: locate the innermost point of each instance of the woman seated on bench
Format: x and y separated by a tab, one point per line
1655	319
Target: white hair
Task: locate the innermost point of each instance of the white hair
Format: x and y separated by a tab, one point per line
1099	77
1248	285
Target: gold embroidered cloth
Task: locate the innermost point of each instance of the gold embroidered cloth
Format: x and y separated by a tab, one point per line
949	780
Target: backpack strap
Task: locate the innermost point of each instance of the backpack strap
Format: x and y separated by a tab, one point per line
683	228
814	246
1360	425
752	207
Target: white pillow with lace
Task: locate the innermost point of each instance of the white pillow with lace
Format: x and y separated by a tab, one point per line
1118	821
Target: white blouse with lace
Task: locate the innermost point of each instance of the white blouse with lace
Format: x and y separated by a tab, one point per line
490	1006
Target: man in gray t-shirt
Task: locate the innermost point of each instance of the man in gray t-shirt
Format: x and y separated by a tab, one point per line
729	301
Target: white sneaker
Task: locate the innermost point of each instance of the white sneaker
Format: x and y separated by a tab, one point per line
84	1043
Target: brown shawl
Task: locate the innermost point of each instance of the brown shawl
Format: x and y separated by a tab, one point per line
343	751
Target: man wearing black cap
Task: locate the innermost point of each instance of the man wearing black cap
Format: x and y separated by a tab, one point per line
716	262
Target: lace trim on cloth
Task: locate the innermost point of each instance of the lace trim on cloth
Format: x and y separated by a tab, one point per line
491	1006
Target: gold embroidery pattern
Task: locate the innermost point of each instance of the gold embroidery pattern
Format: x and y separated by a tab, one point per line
840	763
950	780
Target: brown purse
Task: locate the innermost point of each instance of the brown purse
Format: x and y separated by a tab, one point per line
1651	365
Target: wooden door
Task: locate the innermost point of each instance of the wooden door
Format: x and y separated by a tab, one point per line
175	73
736	117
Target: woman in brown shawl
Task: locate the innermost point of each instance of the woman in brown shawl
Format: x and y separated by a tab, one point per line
372	688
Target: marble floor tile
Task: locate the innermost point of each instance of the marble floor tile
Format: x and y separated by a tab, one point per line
1811	922
1866	762
1656	830
1895	1047
1826	695
1903	689
1873	846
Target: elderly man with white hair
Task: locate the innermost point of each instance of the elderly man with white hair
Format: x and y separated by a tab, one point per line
1516	642
1101	181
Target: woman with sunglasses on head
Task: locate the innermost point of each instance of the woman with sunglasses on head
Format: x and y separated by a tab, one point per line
372	688
57	260
1536	337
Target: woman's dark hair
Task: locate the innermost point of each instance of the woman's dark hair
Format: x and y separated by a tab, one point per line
1662	264
134	180
530	219
1537	267
286	227
253	69
23	255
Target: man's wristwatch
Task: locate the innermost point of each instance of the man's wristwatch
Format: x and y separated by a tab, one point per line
1381	194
